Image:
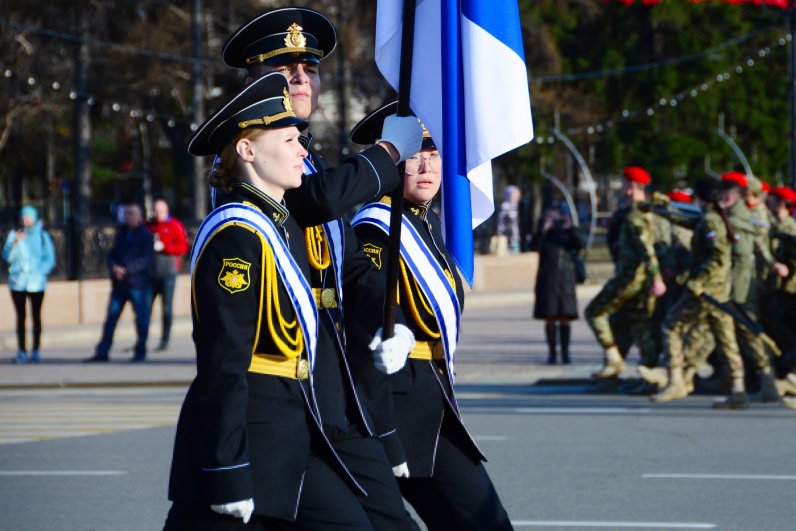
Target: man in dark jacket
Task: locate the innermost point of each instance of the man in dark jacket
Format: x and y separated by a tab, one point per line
130	264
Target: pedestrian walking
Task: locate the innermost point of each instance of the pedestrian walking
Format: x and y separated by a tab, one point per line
30	255
170	243
130	267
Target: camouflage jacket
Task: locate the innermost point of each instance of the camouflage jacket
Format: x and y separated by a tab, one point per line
711	258
743	252
637	246
785	252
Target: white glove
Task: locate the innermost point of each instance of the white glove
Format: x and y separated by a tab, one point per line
390	355
239	509
404	133
401	471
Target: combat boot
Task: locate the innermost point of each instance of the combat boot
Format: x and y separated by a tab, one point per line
787	386
676	388
655	375
614	364
736	400
768	389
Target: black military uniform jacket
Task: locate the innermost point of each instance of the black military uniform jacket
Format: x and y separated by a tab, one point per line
422	392
352	392
243	434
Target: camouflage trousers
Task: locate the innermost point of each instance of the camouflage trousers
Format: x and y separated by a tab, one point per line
750	345
632	301
685	330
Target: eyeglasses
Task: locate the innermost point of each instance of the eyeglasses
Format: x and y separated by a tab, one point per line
432	163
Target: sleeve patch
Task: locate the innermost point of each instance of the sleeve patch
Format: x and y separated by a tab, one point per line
234	275
374	253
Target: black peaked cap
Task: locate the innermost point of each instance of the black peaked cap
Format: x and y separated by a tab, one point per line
368	130
268	38
264	103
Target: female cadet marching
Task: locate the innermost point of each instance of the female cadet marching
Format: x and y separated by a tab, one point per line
444	478
249	446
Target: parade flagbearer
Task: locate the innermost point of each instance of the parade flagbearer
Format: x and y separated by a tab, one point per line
345	284
444	480
249	446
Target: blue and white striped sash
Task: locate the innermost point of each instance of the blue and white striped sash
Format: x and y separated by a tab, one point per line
293	279
427	271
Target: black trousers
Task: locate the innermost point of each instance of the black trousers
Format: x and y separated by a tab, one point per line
367	461
36	300
326	503
459	495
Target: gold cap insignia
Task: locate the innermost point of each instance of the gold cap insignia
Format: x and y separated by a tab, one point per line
234	275
426	134
286	101
294	37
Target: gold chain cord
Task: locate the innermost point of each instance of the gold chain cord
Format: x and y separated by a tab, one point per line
317	248
290	347
413	306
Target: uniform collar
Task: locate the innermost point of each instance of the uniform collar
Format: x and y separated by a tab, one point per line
249	195
418	209
306	140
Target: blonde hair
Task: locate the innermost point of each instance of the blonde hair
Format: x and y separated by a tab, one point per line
226	171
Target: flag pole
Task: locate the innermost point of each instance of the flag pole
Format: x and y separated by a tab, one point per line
397	195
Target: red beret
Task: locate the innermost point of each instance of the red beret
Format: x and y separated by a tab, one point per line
680	197
785	193
636	174
735	177
765	187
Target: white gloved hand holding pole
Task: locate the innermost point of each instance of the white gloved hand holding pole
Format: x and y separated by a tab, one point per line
240	509
404	133
401	471
390	355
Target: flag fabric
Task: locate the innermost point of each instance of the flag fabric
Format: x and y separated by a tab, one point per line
470	90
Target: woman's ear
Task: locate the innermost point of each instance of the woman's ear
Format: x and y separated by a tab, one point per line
245	150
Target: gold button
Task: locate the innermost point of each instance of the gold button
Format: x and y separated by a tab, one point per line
303	371
328	299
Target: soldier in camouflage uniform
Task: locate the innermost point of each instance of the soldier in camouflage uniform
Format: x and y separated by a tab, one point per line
749	249
636	282
783	290
709	273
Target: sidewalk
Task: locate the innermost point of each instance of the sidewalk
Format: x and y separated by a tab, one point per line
481	359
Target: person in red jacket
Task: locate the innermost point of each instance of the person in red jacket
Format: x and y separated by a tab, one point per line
171	242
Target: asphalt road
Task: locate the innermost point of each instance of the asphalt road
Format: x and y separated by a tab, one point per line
560	458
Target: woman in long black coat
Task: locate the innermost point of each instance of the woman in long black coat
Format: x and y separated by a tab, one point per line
557	241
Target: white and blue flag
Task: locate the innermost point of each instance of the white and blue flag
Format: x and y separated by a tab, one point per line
470	90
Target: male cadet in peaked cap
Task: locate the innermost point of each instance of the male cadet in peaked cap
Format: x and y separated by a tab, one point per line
294	41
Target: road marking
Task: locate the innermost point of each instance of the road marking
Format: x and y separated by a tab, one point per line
613	525
62	472
46	421
582	410
490	437
779	477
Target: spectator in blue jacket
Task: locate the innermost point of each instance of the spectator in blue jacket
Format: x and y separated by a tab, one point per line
30	255
130	264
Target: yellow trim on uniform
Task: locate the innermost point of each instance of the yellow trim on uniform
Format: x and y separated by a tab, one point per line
428	350
413	306
277	365
317	248
290	347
